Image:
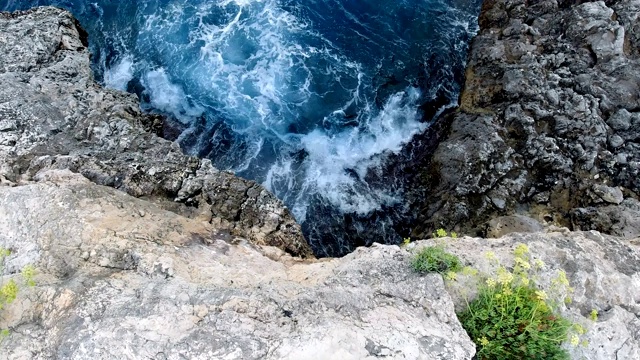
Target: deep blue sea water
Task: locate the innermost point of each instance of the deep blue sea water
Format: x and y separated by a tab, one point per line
306	97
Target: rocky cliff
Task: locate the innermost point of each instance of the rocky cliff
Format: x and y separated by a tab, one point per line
142	252
53	115
122	278
548	124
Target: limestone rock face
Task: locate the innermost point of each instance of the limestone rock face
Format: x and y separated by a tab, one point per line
121	278
54	116
549	121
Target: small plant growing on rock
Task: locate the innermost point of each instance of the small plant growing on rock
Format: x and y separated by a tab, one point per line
435	259
512	318
406	241
440	233
9	290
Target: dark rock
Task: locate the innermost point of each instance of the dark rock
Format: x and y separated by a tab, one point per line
504	225
548	124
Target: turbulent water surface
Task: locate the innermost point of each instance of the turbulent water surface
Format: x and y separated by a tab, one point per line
305	97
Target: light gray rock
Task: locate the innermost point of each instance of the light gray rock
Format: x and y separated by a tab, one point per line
53	115
121	278
609	194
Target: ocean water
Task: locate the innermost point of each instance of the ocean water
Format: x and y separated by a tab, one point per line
308	98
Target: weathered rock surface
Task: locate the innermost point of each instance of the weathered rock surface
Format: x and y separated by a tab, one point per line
604	272
549	121
54	116
121	278
505	225
161	270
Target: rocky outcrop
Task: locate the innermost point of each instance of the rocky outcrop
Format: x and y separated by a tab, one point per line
549	122
121	278
54	116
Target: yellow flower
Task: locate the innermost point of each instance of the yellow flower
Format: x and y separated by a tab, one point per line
504	276
491	282
4	252
454	235
483	341
440	233
507	291
521	250
9	291
469	271
451	275
579	329
539	264
524	281
490	255
28	272
575	340
594	315
541	295
522	263
561	279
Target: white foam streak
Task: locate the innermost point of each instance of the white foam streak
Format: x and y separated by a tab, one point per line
169	97
337	164
119	75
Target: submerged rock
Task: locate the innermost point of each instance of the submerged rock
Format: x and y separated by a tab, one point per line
53	115
548	124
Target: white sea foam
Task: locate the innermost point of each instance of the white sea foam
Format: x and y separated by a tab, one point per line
120	74
304	96
258	68
169	97
337	164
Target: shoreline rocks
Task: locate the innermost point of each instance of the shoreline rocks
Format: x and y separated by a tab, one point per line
53	115
547	124
142	251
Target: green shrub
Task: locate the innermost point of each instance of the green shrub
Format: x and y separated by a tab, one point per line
435	259
512	319
440	233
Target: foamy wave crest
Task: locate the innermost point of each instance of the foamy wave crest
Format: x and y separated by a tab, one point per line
119	75
337	164
169	97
